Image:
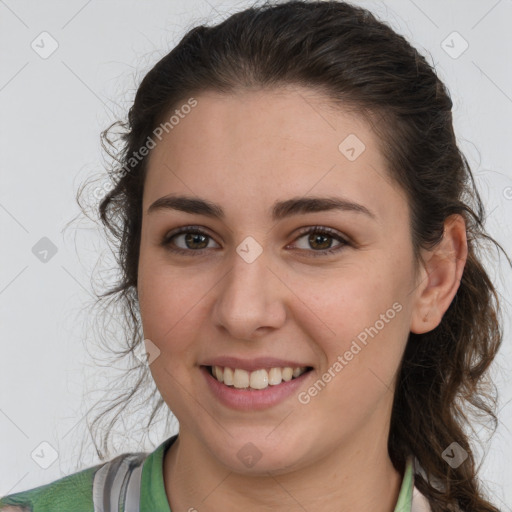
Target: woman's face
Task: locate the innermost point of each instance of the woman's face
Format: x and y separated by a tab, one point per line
256	285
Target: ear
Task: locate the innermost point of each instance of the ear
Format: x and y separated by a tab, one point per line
439	276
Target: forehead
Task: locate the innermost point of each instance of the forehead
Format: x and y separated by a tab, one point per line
269	145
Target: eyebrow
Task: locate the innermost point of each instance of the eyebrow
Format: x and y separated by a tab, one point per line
280	209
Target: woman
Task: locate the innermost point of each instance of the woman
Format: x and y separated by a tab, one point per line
298	231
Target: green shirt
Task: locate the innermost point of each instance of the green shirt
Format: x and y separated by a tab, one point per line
74	492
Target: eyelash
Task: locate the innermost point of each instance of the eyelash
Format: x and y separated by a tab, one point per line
166	242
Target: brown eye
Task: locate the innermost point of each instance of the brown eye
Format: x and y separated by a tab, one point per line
320	240
323	241
191	239
194	240
318	243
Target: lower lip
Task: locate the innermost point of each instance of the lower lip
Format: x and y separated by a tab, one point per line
252	399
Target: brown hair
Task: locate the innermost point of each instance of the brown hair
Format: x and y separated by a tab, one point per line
344	52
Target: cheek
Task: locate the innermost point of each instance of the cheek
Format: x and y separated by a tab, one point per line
167	302
360	317
362	349
347	300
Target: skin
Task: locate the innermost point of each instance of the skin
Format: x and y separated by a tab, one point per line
245	151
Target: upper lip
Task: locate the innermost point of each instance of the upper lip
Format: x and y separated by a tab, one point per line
252	364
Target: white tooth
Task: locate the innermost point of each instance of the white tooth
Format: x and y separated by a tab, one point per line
274	376
217	371
287	373
259	379
228	376
241	379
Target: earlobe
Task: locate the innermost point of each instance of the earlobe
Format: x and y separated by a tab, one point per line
442	272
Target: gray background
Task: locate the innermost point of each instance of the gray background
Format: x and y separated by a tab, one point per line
53	108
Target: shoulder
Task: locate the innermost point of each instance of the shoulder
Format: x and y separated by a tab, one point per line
72	492
85	491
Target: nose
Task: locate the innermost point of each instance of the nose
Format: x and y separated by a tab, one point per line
250	300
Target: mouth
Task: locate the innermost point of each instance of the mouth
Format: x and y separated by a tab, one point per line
256	380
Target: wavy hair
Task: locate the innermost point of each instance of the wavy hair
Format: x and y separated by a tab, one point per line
357	62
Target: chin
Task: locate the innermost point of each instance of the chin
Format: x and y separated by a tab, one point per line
259	458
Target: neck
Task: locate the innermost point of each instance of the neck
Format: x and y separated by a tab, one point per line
346	479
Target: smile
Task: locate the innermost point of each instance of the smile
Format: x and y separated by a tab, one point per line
257	379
